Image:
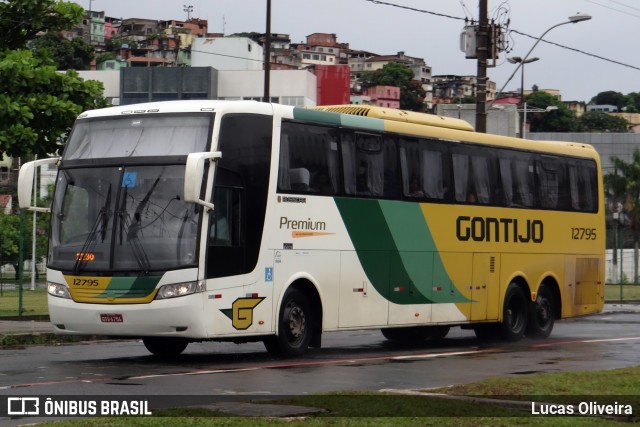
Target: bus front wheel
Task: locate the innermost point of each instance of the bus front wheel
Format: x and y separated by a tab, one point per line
165	346
514	314
294	326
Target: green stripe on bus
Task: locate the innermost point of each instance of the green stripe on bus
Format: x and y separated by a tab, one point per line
363	122
377	251
396	250
337	119
130	287
316	116
418	251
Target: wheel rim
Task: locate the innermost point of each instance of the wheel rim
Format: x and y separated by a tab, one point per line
296	322
543	312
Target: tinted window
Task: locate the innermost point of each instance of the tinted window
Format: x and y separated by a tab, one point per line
308	159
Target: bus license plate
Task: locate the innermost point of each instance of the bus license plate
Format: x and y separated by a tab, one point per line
111	318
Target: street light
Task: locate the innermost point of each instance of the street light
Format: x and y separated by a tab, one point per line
519	60
579	17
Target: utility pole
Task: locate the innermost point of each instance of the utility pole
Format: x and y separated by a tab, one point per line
267	54
482	40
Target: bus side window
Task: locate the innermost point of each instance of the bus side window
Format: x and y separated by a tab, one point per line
522	168
582	182
363	164
308	159
224	225
549	174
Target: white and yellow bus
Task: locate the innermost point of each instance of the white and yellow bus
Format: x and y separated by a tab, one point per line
186	221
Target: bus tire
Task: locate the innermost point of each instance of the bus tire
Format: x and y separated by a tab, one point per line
514	313
541	314
294	326
165	346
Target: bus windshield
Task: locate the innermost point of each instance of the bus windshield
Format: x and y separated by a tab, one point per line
129	219
138	136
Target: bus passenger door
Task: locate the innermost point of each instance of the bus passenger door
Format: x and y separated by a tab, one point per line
362	303
485	287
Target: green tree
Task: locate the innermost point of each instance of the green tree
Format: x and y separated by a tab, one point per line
412	94
597	121
624	185
37	104
73	54
465	100
632	102
22	20
609	97
558	120
10	236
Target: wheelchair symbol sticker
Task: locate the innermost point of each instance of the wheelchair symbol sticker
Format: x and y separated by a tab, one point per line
129	179
268	274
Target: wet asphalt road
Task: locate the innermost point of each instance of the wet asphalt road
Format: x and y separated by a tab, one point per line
355	360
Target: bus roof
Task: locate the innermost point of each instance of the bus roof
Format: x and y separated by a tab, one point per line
398	115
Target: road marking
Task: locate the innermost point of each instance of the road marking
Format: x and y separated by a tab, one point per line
315	363
551	344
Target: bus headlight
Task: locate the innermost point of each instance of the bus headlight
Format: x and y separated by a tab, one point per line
58	290
180	289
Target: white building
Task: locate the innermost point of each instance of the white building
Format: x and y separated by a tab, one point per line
109	79
227	53
289	87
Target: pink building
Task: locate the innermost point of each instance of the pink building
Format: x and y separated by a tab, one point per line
384	96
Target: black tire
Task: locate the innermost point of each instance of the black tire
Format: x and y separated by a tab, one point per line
514	314
294	326
541	314
165	346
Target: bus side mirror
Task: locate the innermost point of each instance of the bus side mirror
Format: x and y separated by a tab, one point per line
26	177
194	174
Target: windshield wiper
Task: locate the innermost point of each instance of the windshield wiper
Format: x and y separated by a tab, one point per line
132	228
101	222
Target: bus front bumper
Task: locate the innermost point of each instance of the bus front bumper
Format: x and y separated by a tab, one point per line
175	317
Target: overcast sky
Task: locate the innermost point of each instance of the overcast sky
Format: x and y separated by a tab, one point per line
384	30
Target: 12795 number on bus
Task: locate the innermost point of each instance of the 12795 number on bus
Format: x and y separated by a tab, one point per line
86	282
583	233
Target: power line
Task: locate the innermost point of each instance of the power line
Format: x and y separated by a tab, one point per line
413	9
514	31
614	9
624	5
578	51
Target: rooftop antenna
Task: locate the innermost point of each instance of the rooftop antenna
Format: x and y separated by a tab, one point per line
188	9
224	25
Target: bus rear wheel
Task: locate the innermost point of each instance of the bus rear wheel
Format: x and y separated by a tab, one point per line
514	313
294	326
541	318
165	346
